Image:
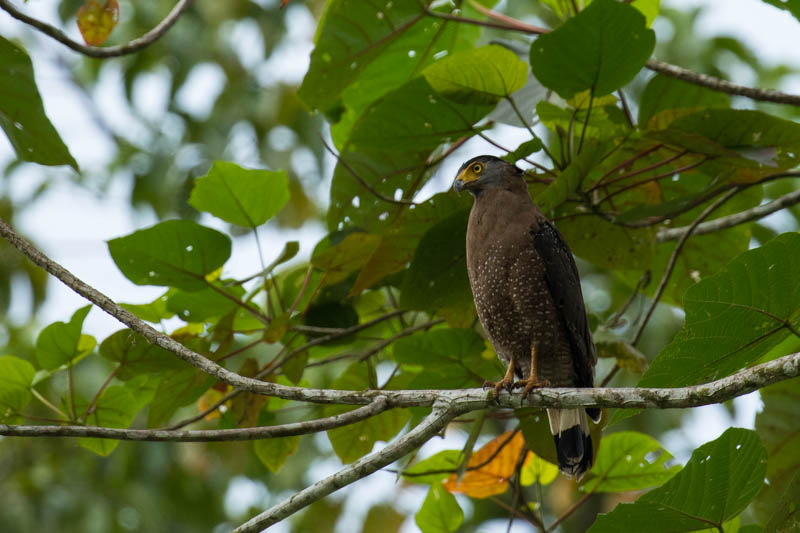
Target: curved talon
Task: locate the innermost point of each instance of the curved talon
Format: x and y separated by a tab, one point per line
499	385
528	385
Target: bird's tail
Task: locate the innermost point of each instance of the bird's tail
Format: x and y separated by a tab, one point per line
570	429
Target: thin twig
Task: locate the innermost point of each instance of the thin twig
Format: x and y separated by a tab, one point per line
361	180
95	51
673	259
211	435
762	95
761	211
441	415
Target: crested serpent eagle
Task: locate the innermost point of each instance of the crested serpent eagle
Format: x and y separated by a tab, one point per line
528	296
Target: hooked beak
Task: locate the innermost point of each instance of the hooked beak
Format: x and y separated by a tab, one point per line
459	185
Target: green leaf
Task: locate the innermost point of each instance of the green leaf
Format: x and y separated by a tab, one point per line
440	466
136	355
537	470
346	257
176	388
116	408
786	514
437	278
22	114
741	129
243	196
398	131
155	311
356	440
16	380
623	464
60	342
734	317
400	240
274	452
175	253
664	92
198	306
779	428
481	75
792	6
718	482
601	49
609	245
440	512
649	9
449	358
362	52
571	177
524	150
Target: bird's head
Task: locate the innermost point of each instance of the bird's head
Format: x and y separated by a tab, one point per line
487	171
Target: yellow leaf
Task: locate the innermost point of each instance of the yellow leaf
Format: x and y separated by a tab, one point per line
490	478
209	398
96	19
537	469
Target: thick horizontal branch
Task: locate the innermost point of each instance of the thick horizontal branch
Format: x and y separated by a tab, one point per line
217	435
716	84
441	415
671	234
96	51
718	391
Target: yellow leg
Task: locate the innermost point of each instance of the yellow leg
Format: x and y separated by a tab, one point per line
533	380
506	383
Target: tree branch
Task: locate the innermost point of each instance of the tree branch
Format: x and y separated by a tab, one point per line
716	84
466	400
673	258
671	234
214	435
764	95
95	51
442	414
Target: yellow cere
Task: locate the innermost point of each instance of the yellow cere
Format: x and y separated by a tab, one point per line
471	173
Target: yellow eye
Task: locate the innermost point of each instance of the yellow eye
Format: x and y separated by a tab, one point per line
477	168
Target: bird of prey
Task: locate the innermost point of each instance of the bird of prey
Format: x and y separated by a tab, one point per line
528	296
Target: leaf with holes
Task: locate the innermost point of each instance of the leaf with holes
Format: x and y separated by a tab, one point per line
243	196
779	428
718	482
734	317
481	75
629	461
174	253
386	155
602	49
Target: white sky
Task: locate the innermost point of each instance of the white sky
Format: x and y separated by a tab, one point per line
71	223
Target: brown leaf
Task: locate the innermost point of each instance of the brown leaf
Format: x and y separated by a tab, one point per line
96	19
491	478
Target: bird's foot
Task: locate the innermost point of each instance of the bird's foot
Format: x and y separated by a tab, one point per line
504	383
527	385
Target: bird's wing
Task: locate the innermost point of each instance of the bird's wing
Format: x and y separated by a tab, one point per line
561	275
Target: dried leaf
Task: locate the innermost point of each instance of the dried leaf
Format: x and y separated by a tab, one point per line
97	19
491	478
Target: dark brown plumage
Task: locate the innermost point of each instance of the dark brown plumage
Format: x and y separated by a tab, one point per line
528	296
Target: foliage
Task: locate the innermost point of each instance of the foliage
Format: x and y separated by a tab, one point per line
383	300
